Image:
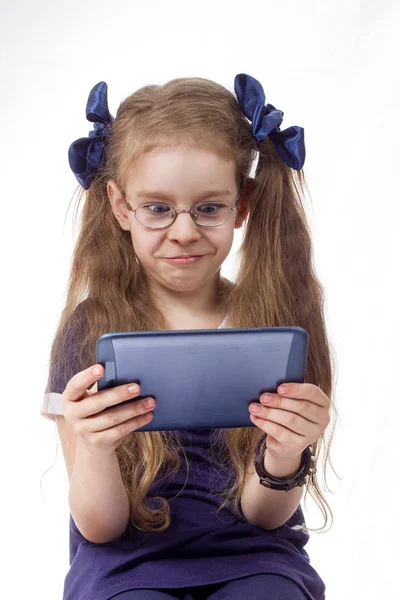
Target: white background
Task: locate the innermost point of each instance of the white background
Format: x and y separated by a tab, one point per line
331	67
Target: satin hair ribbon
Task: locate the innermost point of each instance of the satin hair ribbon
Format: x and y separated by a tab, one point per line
85	154
266	119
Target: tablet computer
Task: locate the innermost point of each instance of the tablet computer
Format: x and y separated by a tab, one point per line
202	378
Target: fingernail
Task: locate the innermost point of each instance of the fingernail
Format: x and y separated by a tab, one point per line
267	398
97	371
282	389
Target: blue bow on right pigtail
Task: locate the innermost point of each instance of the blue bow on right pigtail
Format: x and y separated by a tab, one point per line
266	120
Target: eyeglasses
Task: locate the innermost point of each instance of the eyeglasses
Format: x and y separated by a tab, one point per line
158	215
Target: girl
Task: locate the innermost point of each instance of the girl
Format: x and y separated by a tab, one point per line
182	514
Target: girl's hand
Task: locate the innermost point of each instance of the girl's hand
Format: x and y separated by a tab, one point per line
100	431
293	420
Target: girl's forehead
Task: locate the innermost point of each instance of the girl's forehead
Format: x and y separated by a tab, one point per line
167	171
181	152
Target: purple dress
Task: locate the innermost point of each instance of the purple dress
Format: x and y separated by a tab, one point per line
200	547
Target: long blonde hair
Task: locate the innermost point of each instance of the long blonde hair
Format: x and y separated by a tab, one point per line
276	284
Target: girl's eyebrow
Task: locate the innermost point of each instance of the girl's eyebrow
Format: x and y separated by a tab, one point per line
164	196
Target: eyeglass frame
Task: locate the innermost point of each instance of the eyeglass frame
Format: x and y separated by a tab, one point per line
233	208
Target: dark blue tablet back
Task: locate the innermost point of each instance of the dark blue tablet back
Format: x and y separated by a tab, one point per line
203	378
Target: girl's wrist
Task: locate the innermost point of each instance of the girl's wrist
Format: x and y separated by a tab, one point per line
281	467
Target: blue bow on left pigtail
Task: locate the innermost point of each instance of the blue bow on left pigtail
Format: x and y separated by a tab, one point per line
266	120
85	154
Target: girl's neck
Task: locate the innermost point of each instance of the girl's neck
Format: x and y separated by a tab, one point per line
206	322
182	317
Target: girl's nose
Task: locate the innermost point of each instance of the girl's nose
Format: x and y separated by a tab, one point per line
184	226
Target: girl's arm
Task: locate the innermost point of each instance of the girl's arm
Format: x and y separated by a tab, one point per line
97	497
270	508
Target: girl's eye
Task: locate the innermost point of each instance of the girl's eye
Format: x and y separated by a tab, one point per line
210	207
159	209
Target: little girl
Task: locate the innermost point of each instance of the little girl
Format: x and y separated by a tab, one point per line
182	514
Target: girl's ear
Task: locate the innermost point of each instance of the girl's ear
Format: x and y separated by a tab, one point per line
118	205
244	202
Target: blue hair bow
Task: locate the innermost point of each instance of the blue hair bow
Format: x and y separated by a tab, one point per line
85	154
266	120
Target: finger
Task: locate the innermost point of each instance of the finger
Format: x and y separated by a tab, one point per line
308	410
100	401
290	420
78	384
109	433
282	434
122	417
305	391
